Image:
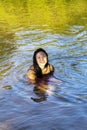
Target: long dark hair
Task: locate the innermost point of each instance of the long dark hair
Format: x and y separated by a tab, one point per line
35	64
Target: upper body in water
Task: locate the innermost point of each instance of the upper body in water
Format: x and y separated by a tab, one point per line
40	67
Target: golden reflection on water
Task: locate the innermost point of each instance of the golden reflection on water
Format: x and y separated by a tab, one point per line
57	13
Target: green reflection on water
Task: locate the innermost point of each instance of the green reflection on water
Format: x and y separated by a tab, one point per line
54	13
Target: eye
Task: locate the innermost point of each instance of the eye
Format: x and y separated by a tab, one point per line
38	57
44	55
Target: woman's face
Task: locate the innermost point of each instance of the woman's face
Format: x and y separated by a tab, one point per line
41	59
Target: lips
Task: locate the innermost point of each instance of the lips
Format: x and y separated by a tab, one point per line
42	62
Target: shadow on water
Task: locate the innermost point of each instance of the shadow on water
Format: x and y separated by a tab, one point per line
41	93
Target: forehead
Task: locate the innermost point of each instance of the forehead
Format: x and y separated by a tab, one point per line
41	53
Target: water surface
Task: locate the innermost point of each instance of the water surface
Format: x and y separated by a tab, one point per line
61	106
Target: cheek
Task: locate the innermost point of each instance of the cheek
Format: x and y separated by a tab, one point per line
37	60
45	59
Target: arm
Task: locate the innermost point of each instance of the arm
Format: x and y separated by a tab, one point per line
54	79
31	75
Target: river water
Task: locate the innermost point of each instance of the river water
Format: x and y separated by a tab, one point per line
63	106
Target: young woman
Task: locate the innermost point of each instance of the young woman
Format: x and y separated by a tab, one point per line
40	67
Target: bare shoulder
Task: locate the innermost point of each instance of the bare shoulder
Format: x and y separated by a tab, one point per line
51	67
31	70
31	73
31	67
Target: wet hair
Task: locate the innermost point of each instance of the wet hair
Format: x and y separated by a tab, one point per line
35	64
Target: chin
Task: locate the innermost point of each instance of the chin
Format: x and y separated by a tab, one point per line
42	66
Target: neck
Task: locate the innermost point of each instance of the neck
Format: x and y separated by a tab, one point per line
42	67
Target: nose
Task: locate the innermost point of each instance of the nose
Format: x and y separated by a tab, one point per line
42	59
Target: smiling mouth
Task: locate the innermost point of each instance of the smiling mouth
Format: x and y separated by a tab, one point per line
42	62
